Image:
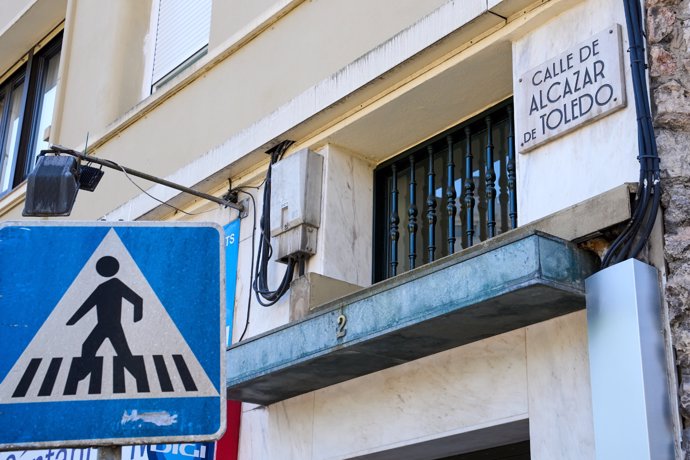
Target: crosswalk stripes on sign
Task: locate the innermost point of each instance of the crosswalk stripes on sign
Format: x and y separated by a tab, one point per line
155	369
146	356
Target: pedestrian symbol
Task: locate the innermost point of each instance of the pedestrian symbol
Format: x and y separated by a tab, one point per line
111	336
107	299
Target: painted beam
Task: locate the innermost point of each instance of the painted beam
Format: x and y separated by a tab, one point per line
470	296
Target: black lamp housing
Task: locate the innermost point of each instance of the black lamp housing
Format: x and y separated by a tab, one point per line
52	186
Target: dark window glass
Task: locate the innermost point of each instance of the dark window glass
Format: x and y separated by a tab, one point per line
27	100
518	451
13	93
45	102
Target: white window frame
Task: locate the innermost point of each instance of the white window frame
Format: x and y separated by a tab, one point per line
189	53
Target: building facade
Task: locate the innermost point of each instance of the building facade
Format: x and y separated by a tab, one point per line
445	178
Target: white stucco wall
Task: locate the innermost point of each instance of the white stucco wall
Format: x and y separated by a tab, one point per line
540	373
23	23
595	158
101	83
11	9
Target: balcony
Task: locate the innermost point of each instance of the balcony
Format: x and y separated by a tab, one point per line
514	280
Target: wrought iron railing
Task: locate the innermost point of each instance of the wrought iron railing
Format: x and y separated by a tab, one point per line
447	193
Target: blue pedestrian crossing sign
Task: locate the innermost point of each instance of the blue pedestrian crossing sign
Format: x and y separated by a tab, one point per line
111	334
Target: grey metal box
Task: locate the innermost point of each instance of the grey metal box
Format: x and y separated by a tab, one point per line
296	183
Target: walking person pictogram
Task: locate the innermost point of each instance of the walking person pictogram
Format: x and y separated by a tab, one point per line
107	300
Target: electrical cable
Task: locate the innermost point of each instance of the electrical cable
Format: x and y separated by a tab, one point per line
264	295
153	197
634	237
649	154
251	266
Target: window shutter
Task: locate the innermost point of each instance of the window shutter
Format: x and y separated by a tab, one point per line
182	30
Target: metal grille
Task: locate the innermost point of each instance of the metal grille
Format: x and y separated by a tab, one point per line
448	193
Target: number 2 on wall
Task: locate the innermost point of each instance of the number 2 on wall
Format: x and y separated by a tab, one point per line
341	329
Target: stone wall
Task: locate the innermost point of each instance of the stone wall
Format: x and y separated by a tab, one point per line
668	34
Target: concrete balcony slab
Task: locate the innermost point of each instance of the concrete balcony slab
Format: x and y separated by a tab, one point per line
481	292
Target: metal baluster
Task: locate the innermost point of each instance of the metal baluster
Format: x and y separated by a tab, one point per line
490	180
431	205
461	240
394	221
450	197
512	202
469	189
412	214
502	220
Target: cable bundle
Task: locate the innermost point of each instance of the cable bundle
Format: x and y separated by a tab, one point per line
632	240
264	295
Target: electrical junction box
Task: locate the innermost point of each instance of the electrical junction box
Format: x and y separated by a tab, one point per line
296	183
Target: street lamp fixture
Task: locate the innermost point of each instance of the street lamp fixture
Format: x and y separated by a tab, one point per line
53	184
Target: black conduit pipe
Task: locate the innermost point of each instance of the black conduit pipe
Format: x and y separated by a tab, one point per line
264	295
632	240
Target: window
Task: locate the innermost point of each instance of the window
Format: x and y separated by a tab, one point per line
182	31
448	193
27	100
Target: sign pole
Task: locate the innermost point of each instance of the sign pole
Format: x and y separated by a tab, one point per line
110	453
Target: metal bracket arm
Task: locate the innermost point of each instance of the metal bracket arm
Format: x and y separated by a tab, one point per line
111	164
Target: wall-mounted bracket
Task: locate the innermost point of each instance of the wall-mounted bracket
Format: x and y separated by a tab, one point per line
57	150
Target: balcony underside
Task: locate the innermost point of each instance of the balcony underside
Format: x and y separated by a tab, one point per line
478	293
